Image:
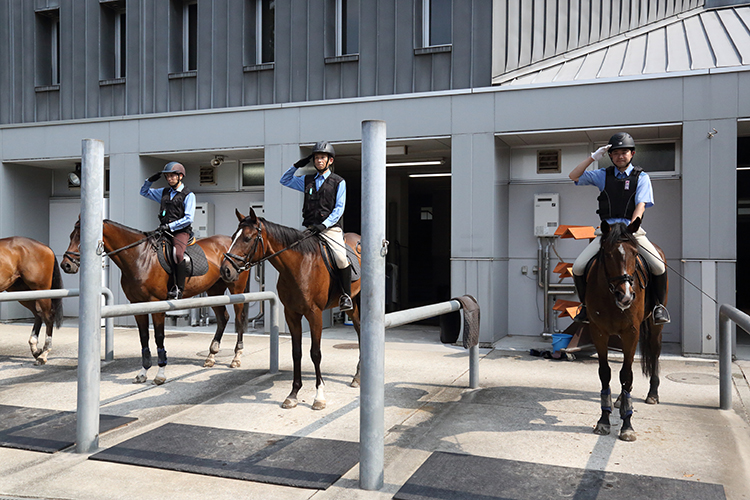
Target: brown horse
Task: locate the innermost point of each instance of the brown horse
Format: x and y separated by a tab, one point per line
144	280
305	285
26	264
618	304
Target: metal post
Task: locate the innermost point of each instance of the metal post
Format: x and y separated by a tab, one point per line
474	367
725	360
109	327
273	311
372	391
89	326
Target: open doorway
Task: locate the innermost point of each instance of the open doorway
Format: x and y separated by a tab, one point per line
742	278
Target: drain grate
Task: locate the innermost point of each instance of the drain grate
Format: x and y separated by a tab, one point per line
346	346
694	378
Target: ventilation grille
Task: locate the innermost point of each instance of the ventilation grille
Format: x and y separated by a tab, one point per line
548	161
208	176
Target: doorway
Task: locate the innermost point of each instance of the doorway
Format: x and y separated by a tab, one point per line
742	277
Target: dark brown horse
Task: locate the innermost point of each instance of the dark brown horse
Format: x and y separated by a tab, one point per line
26	264
305	285
144	280
618	304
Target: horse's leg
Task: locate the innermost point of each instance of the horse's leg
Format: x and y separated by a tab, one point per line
627	433
34	338
651	358
355	321
45	314
294	321
158	320
239	326
605	375
142	321
316	332
222	317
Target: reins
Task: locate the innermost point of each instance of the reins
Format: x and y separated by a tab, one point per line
76	256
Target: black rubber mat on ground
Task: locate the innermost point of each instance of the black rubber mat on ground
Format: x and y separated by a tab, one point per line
48	431
268	458
454	476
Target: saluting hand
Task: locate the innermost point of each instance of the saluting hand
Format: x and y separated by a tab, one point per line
154	177
599	153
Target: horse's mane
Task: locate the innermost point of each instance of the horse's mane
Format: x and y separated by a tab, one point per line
151	236
618	233
287	235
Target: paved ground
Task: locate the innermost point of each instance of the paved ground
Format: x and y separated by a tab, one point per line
527	408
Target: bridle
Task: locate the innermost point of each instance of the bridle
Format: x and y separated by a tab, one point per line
75	257
613	283
241	264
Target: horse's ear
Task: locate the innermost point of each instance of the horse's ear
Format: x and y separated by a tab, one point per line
634	226
240	217
605	228
253	218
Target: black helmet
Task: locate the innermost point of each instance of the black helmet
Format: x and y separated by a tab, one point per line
324	147
622	140
173	167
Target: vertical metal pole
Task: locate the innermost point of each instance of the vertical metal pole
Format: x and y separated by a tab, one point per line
372	348
274	348
725	362
109	327
89	323
474	367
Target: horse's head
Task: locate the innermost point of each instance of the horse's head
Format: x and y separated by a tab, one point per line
619	260
247	247
71	260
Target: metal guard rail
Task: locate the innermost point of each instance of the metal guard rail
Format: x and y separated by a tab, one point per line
727	314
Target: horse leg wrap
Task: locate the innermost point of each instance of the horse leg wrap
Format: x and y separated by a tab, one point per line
162	353
239	346
146	357
606	398
626	405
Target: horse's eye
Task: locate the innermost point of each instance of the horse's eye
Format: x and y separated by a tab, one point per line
247	239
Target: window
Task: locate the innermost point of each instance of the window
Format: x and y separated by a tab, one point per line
436	22
184	36
253	175
260	20
656	157
48	47
113	40
347	27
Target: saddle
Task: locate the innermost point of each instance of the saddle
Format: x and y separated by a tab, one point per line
330	261
195	258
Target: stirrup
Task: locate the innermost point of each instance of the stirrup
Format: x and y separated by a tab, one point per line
661	315
175	293
582	316
345	303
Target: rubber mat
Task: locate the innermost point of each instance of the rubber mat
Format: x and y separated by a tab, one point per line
43	430
454	476
252	456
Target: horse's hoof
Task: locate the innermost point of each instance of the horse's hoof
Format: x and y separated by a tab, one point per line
139	379
236	363
652	400
40	362
209	363
627	435
159	380
602	430
289	403
355	382
319	404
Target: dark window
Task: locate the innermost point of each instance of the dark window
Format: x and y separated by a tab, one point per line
659	157
112	40
253	175
191	36
48	47
266	30
440	25
183	36
349	27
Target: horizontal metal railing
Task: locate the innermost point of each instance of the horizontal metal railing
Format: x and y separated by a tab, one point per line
727	314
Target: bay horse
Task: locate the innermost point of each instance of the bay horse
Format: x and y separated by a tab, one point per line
26	264
143	280
618	304
305	285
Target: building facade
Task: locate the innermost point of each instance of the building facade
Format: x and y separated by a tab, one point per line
495	100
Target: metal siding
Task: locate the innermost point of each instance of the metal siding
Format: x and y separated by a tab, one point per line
550	36
677	49
441	71
569	70
316	53
722	198
286	39
700	51
721	45
404	59
738	32
656	52
385	60
526	34
235	23
333	81
562	27
592	63
460	60
481	65
299	65
370	55
634	57
613	61
349	79
574	25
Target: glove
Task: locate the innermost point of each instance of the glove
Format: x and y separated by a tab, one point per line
154	177
304	161
599	153
316	228
163	228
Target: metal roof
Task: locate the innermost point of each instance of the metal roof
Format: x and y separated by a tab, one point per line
699	40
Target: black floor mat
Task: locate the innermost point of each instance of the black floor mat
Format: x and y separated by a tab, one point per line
454	476
268	458
48	431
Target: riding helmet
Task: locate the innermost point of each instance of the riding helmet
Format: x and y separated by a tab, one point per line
173	167
622	140
324	147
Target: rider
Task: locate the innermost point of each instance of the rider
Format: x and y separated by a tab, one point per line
176	215
625	194
323	209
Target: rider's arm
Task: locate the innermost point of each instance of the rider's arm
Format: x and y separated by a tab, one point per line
189	214
289	180
338	210
151	194
638	212
576	173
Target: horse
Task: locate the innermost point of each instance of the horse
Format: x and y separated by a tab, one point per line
143	280
26	264
618	304
305	286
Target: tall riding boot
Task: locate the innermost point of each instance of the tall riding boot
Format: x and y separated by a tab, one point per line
345	276
580	282
661	315
180	273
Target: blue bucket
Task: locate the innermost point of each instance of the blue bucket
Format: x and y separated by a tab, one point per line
560	341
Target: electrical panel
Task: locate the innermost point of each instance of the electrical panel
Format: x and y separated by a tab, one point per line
203	222
546	213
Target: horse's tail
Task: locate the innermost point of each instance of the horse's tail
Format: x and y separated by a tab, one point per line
57	305
650	348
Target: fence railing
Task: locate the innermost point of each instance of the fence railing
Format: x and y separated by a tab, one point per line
728	314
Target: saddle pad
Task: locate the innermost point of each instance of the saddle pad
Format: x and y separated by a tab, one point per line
330	261
197	263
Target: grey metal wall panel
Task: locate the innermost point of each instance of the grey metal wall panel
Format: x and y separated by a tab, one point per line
461	54
370	55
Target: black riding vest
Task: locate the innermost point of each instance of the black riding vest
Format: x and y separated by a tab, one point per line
174	209
617	200
320	203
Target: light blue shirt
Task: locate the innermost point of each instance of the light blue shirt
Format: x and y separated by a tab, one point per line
298	183
643	193
156	194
